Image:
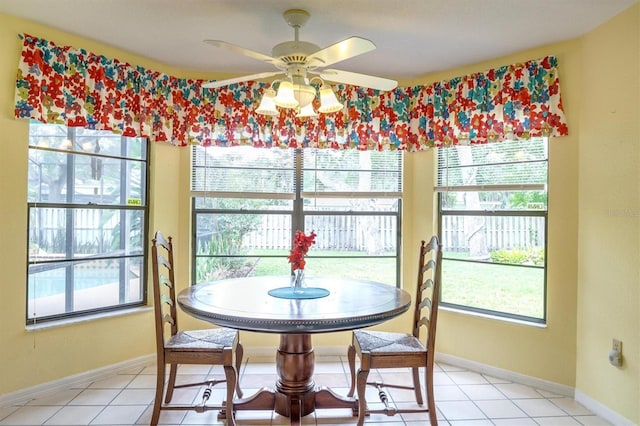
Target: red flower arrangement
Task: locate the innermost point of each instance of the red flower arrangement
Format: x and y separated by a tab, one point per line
301	244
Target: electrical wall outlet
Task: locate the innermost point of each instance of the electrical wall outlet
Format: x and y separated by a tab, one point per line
615	356
616	346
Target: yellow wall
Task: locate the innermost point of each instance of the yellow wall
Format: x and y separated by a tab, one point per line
587	304
30	358
549	352
609	205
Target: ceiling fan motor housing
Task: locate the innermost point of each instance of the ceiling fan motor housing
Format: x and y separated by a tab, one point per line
294	52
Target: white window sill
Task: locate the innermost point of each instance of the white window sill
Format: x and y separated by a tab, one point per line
493	317
86	318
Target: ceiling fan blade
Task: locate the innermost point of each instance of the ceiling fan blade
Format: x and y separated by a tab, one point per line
345	49
356	79
244	51
222	83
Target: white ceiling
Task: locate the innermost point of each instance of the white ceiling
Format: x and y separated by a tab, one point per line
413	37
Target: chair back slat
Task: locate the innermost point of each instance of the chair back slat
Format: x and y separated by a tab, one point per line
427	292
164	296
166	299
166	281
426	285
426	303
168	319
163	261
424	322
161	241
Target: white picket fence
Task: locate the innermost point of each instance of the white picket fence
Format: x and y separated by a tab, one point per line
511	232
344	232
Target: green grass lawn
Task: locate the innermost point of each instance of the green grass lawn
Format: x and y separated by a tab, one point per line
376	269
494	287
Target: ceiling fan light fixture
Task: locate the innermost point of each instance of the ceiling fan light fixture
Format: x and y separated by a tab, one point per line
285	97
328	101
267	105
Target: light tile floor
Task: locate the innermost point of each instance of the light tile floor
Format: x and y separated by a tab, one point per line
463	397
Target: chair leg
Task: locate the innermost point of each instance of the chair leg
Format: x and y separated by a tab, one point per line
157	402
351	357
431	404
239	355
416	385
231	375
173	370
362	390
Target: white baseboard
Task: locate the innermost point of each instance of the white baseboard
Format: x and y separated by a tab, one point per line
602	410
23	396
506	374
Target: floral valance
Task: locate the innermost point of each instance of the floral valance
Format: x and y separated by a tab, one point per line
65	85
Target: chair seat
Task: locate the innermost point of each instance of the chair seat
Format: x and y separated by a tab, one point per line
381	341
202	340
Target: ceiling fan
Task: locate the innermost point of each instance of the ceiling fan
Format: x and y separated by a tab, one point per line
300	61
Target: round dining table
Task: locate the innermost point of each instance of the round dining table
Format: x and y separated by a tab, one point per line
266	304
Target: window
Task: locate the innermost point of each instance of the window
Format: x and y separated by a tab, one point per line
248	202
87	222
493	226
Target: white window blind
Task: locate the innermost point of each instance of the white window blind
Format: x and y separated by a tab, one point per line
248	171
352	174
503	166
255	172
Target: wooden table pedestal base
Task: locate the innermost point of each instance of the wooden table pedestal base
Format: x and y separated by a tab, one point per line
295	395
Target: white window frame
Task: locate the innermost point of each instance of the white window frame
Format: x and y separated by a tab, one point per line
534	211
49	261
298	213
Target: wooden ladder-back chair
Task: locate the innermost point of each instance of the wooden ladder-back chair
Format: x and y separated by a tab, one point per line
377	349
216	346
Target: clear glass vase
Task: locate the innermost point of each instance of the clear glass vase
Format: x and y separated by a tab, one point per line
297	281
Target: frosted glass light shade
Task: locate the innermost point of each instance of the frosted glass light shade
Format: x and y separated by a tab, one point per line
304	94
328	101
307	111
267	106
285	97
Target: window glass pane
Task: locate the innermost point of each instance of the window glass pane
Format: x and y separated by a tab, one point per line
351	204
242	169
355	211
242	203
499	288
110	144
96	180
239	244
101	142
86	207
218	268
94	232
504	239
493	214
65	287
494	200
375	269
351	235
504	163
328	170
238	233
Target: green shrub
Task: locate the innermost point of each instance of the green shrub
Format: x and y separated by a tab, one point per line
534	256
515	256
